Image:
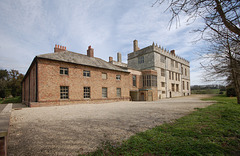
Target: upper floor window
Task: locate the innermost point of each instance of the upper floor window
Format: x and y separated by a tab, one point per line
172	63
176	76
170	75
163	84
86	73
63	71
176	64
118	77
140	59
63	92
185	72
104	75
149	81
162	59
162	72
134	79
182	70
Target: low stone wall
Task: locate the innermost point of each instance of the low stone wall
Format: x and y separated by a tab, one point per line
4	125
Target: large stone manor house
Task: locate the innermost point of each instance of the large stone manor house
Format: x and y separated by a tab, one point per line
66	77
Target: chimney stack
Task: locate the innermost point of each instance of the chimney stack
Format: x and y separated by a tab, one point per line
90	52
110	59
172	52
119	57
59	48
135	46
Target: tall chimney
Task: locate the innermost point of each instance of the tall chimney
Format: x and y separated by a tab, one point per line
135	45
119	57
59	48
172	52
90	52
110	59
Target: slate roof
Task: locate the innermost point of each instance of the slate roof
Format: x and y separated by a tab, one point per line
76	58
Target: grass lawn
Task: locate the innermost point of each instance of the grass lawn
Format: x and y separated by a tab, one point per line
214	130
16	99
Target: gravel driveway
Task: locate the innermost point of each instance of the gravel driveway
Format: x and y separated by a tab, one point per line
75	129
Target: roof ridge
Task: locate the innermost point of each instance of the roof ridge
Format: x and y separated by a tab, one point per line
78	58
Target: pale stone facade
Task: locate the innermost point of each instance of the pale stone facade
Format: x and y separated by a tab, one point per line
173	72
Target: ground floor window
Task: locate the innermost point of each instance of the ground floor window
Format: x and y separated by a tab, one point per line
118	92
173	87
86	92
177	87
64	92
104	92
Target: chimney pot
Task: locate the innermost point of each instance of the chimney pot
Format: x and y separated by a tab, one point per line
110	59
90	52
59	48
172	52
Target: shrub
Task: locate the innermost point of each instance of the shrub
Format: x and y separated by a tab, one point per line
231	92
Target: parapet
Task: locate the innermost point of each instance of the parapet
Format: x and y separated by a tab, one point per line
159	49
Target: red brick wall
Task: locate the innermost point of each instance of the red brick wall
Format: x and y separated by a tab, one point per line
29	85
50	80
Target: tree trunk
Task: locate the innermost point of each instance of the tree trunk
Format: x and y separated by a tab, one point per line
235	77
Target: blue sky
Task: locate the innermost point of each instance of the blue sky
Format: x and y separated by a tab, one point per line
32	27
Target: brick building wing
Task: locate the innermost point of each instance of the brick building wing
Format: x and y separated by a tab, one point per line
66	77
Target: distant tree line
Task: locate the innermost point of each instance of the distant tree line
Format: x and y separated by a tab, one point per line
10	83
203	87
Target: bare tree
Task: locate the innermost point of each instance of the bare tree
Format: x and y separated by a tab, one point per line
222	30
222	62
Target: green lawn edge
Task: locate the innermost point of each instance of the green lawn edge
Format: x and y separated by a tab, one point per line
214	130
16	99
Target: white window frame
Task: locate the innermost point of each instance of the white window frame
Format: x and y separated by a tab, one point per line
63	71
64	92
86	73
